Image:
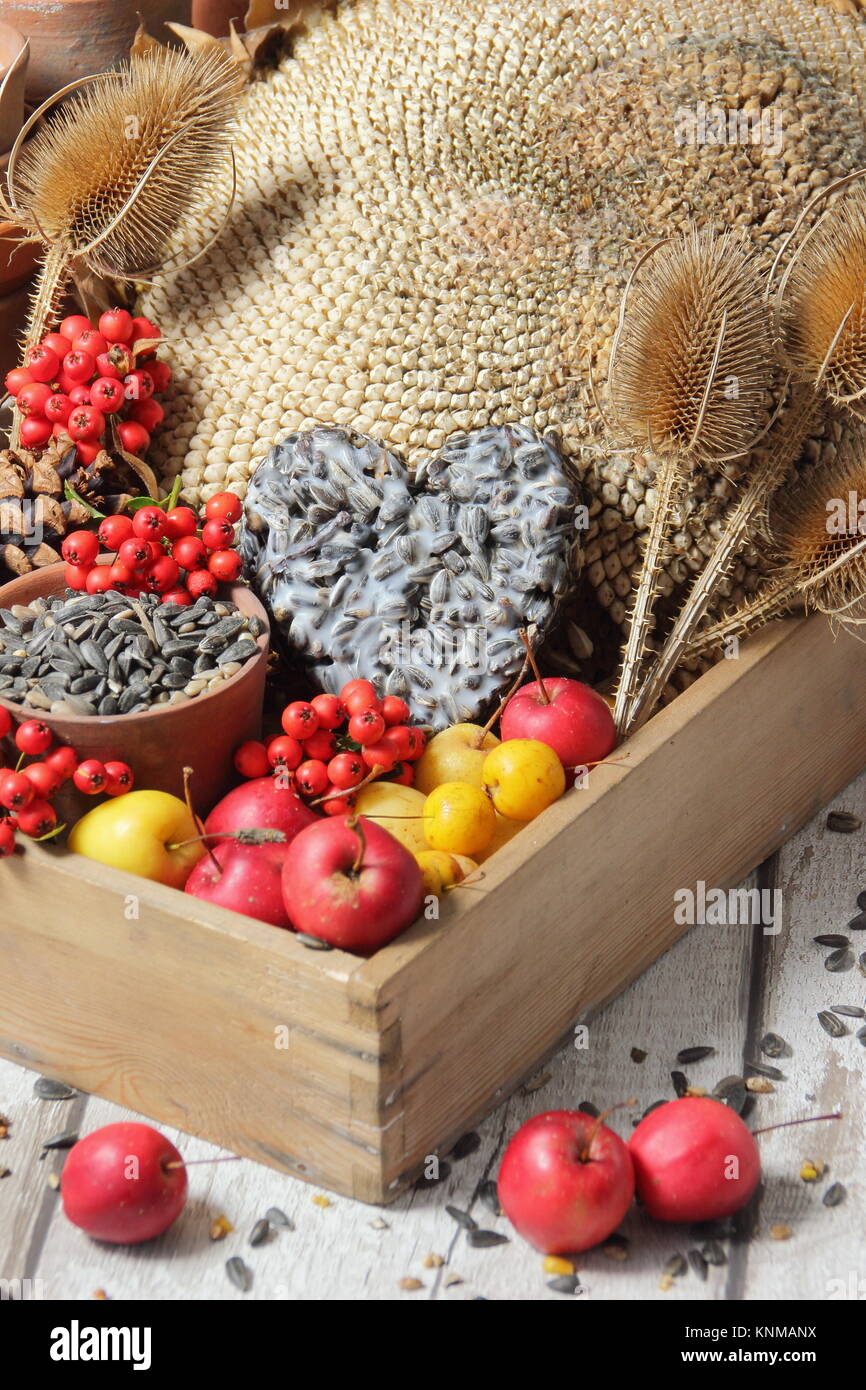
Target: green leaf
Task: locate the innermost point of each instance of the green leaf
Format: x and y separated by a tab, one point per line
72	496
136	504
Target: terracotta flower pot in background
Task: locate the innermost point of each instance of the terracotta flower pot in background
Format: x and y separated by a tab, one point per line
73	38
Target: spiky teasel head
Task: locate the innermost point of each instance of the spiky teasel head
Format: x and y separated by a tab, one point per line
692	363
821	302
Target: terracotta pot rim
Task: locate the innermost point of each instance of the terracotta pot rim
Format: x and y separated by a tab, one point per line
118	720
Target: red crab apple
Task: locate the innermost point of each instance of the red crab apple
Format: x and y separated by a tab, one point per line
566	1181
349	882
571	718
117	1184
694	1160
246	878
261	804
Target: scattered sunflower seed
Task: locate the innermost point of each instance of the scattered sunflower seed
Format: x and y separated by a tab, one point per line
485	1240
861	1036
462	1218
260	1232
835	1195
239	1274
694	1054
675	1267
843	822
467	1144
849	1010
839	961
7	1173
713	1253
535	1084
763	1069
858	923
409	1285
278	1218
565	1283
46	1088
680	1083
832	1025
637	1054
731	1090
313	943
699	1263
832	939
61	1141
488	1194
781	1232
772	1045
589	1109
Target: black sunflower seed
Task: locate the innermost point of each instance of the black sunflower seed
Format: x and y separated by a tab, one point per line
61	1141
858	923
239	1274
46	1088
485	1240
313	943
763	1069
832	1025
713	1253
835	1195
680	1083
278	1218
564	1283
675	1267
260	1232
843	822
861	961
694	1054
849	1010
861	1036
832	939
731	1090
699	1263
589	1109
462	1218
772	1045
839	961
637	1054
467	1144
488	1194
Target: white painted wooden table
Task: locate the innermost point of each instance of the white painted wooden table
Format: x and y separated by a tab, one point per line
724	986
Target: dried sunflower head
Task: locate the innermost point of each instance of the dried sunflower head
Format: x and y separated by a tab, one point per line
692	363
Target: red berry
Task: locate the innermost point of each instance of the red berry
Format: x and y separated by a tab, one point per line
17	379
62	760
42	363
149	523
87	452
359	695
75	577
399	739
91	342
160	374
5	721
379	755
134	554
106	395
116	325
33	399
35	432
225	565
321	746
58	408
134	437
417	744
299	719
395	711
33	737
15	791
90	777
119	778
366	727
79	394
180	522
218	535
121	576
138	385
143	329
330	711
57	343
224	506
86	423
189	552
80	548
312	777
179	596
99	579
7	839
404	775
337	805
201	582
346	770
114	530
78	366
285	751
37	819
73	326
116	363
163	575
251	759
149	414
45	780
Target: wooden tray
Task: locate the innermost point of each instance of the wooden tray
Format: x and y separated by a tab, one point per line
350	1073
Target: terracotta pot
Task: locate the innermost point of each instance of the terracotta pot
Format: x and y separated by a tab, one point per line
202	733
73	38
215	16
14	309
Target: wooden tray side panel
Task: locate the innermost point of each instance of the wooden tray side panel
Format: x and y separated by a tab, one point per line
582	902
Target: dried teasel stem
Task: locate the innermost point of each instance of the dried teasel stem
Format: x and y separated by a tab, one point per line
774	600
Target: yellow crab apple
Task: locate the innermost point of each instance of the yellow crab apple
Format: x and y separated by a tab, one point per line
455	755
144	832
523	777
441	871
459	818
398	809
505	830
